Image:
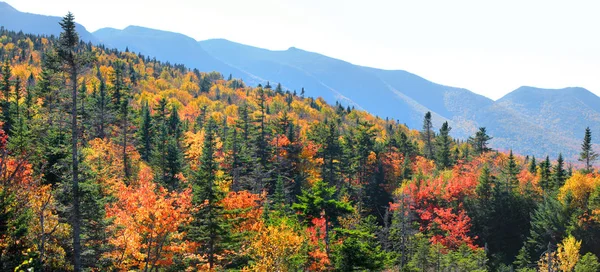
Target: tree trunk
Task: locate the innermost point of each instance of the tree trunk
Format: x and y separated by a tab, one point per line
76	213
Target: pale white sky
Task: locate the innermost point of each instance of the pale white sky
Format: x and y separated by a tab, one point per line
489	47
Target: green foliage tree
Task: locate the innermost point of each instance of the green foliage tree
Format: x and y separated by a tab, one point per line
587	155
144	132
559	175
319	201
480	141
359	249
588	263
443	142
209	226
73	59
428	135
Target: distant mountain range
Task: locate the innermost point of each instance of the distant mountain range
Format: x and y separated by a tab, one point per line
528	120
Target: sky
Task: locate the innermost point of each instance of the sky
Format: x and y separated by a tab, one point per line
488	47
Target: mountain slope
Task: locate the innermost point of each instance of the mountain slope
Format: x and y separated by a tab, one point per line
334	80
568	111
12	19
528	120
164	46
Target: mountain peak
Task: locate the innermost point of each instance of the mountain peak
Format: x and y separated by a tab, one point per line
6	7
543	92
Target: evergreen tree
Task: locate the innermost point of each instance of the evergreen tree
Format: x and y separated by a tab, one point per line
102	113
480	141
359	248
205	84
73	60
559	175
587	155
428	135
588	263
5	85
511	171
549	224
209	227
321	200
145	132
443	142
533	166
545	174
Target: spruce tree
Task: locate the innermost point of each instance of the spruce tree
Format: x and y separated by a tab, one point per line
559	175
144	132
321	200
73	61
587	155
209	227
511	171
545	174
443	142
5	86
480	141
428	135
533	166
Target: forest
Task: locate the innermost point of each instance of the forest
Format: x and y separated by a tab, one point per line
115	161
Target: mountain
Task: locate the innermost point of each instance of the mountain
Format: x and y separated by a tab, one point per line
566	112
396	94
528	120
163	45
12	19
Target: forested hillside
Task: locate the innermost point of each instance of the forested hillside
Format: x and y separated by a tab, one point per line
113	161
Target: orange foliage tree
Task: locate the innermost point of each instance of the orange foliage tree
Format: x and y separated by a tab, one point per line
146	224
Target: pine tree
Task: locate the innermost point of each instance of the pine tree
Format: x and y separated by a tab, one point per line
102	113
205	84
5	86
533	166
73	61
144	132
428	135
545	174
587	154
322	200
480	141
511	172
559	174
443	142
209	226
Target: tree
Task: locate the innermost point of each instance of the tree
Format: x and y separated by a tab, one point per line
278	247
548	225
588	263
5	85
443	142
428	135
568	253
321	201
532	166
510	172
144	132
587	154
73	60
545	174
559	174
146	226
209	229
480	141
358	247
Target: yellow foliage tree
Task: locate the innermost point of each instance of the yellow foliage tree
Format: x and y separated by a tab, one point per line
274	248
579	187
568	253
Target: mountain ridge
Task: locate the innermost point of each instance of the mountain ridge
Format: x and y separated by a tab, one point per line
516	120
